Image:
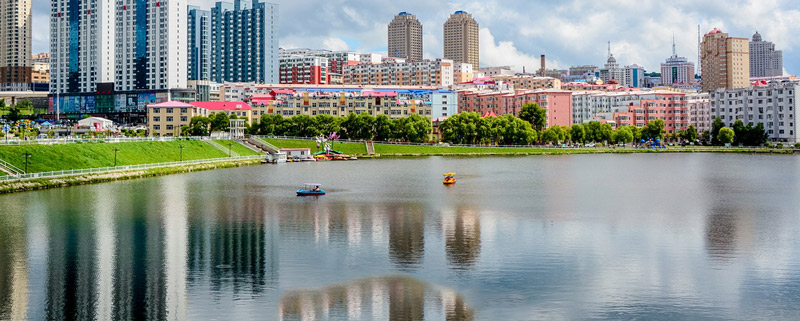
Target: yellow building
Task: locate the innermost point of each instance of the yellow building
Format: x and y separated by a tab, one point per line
166	119
725	61
530	82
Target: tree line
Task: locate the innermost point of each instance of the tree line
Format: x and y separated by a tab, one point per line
364	126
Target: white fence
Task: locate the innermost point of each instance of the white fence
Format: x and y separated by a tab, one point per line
112	169
17	141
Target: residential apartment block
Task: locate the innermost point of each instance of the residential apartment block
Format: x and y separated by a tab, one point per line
632	108
304	69
244	42
341	101
199	43
167	118
699	112
725	61
398	72
773	104
529	82
765	61
557	103
116	57
461	39
15	41
405	37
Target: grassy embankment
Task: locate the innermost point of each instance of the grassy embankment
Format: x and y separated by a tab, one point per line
44	183
413	150
92	155
236	148
346	148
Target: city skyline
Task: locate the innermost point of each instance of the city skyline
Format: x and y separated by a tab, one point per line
509	36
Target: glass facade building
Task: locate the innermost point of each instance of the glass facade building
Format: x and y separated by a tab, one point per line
244	42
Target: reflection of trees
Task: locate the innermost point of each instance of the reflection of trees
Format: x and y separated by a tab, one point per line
13	270
721	226
407	299
406	235
463	237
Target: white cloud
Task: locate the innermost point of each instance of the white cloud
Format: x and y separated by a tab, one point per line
569	32
505	53
335	44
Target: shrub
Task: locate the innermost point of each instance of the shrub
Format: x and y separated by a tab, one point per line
797	145
767	144
779	145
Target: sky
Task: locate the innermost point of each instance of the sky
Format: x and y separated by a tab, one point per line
516	32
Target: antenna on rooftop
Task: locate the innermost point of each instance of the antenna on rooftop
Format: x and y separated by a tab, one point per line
609	48
673	45
699	63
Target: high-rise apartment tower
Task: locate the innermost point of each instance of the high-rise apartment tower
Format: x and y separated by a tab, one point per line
461	43
405	37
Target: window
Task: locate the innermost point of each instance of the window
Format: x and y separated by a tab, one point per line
184	118
156	118
156	127
169	118
169	110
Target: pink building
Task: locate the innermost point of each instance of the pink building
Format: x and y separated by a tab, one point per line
557	103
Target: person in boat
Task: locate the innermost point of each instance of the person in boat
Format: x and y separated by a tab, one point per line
316	188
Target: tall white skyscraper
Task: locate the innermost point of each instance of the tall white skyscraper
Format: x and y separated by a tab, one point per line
133	44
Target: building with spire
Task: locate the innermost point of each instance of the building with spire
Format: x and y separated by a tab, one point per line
677	70
461	43
628	76
725	61
405	37
15	60
765	61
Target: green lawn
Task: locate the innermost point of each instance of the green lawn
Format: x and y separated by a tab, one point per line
90	155
410	149
346	148
236	147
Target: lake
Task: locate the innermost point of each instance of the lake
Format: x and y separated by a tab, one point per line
640	236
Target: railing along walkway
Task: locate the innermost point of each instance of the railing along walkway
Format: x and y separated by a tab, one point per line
112	169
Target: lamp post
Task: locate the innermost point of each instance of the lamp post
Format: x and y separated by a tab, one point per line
181	148
116	150
26	155
229	149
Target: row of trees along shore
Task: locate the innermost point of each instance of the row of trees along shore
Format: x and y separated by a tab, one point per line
471	128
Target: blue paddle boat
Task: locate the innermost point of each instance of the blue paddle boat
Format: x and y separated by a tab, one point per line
310	189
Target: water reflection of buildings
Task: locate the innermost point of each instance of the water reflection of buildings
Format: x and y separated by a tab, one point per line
233	243
13	268
382	298
462	232
400	226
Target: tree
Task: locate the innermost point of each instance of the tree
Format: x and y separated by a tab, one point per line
578	133
271	125
382	127
591	128
623	135
654	129
726	135
690	134
715	127
758	135
554	134
740	132
534	115
219	122
604	132
198	126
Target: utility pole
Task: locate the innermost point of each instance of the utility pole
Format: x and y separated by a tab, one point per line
116	150
26	155
229	149
181	148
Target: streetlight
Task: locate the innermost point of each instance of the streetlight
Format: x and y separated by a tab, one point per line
229	149
116	150
26	155
181	148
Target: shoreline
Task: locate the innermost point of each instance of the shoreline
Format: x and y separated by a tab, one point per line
56	182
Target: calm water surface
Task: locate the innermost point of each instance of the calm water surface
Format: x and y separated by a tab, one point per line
656	236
